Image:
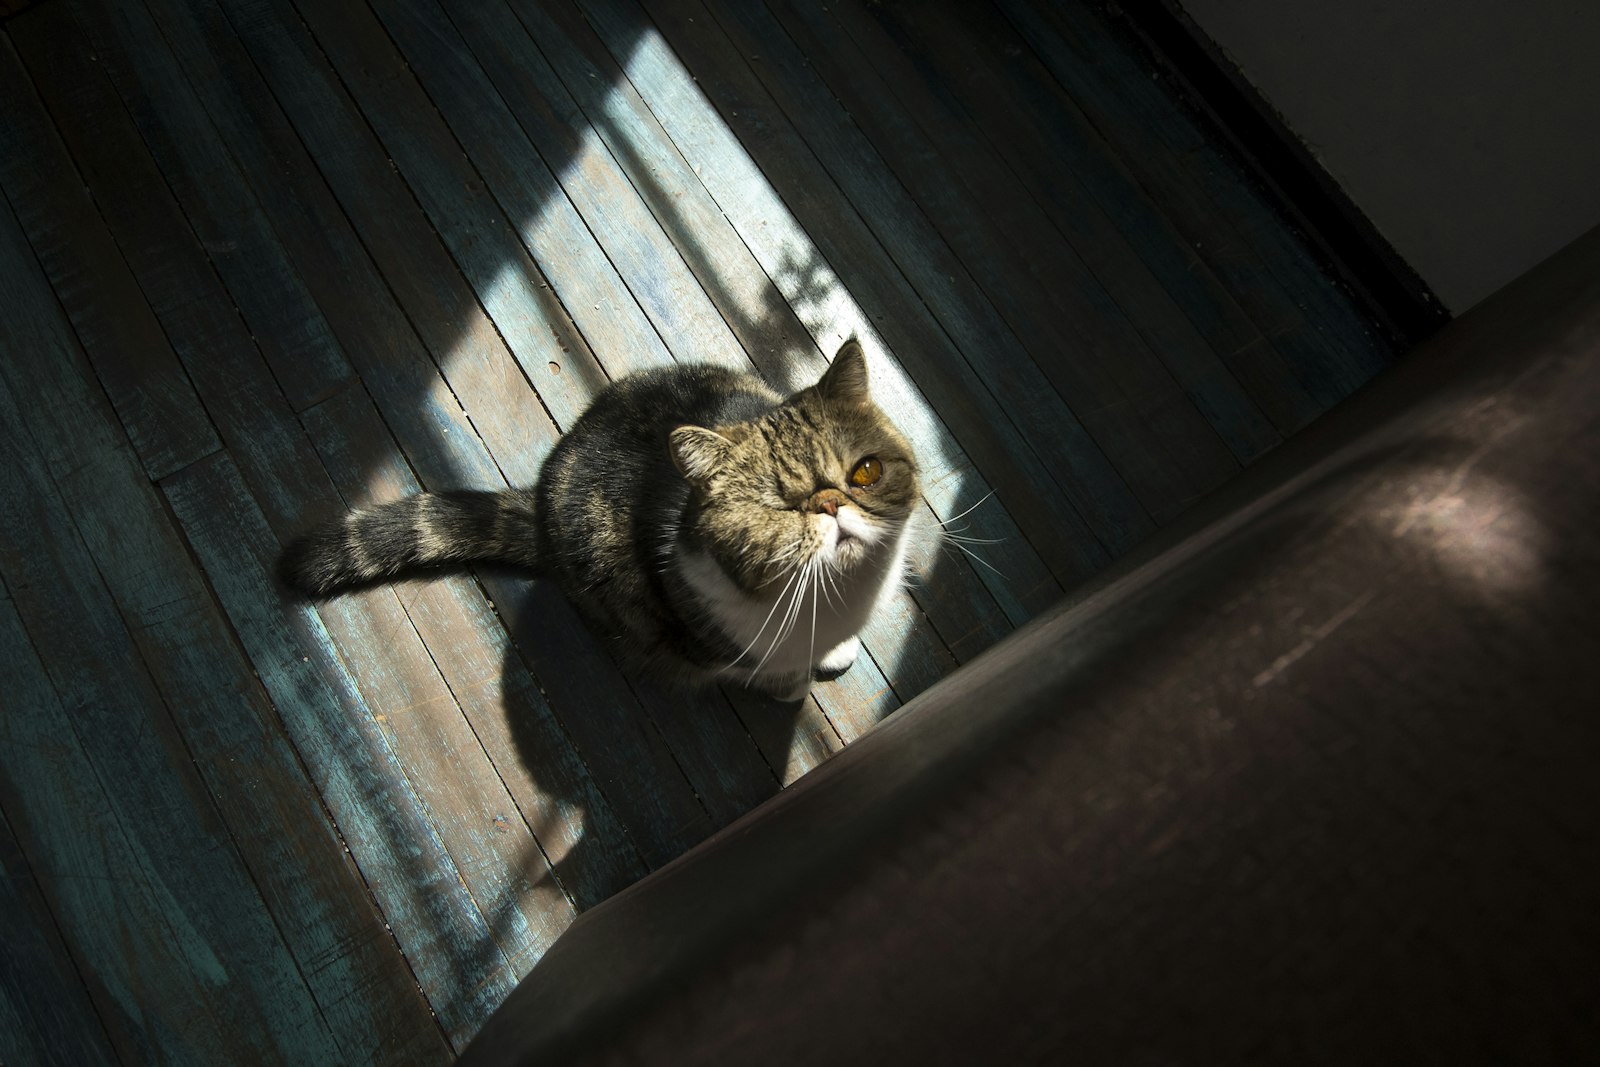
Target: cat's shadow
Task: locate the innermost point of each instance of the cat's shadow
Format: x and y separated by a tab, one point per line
630	772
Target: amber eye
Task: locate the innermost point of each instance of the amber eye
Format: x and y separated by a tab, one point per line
867	472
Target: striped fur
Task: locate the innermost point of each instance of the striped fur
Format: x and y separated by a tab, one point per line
705	525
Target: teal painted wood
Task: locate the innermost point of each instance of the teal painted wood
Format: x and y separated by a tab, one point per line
755	309
456	781
288	481
396	369
230	730
1126	107
543	101
511	160
555	792
196	311
1190	320
1003	372
336	271
644	256
386	218
151	392
437	458
535	327
1150	427
778	344
1053	528
1020	582
1327	342
448	941
224	218
103	794
534	203
45	1011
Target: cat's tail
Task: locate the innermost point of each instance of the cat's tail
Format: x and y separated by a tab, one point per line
420	532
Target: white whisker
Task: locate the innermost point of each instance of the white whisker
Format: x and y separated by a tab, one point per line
953	518
795	574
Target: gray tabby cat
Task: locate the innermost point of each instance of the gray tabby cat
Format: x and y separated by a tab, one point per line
708	526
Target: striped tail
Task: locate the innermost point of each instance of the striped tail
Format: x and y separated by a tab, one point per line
427	530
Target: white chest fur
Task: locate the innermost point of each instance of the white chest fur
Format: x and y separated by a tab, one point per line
789	629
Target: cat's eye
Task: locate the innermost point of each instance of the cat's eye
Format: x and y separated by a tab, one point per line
867	472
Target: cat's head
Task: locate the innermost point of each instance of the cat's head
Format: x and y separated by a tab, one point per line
824	475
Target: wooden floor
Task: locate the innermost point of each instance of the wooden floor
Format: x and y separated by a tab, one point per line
264	259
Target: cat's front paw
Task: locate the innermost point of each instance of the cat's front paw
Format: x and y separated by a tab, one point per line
838	660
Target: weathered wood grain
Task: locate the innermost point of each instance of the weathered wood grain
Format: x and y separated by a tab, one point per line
554	791
798	269
384	214
1269	272
232	734
1003	376
535	205
223	216
426	455
184	957
153	396
421	891
1093	337
644	256
45	1010
1164	289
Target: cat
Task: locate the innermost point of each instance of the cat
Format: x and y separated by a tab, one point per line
708	527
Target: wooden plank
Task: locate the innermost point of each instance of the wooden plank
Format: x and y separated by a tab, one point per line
229	728
418	886
151	392
389	223
757	312
322	247
1215	205
644	256
533	201
1126	106
1112	354
511	166
45	1011
180	951
224	218
556	794
801	271
288	482
1075	176
351	64
439	461
1002	370
778	344
1030	99
196	312
450	773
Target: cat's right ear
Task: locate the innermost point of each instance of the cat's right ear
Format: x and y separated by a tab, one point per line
698	453
845	381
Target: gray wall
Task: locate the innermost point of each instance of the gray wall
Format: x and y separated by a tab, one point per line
1468	131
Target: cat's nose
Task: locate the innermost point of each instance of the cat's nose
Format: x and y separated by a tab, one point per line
827	500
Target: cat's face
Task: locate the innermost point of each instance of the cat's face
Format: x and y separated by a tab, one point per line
824	477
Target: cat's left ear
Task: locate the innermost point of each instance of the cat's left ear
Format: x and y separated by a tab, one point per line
845	381
697	452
